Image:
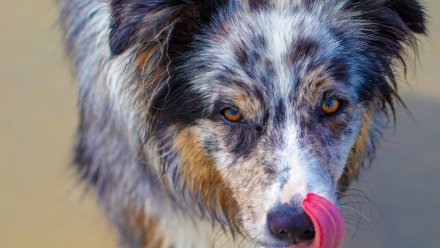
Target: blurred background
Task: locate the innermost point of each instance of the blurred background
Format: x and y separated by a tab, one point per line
396	203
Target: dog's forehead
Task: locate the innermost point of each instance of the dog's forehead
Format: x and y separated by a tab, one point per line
272	48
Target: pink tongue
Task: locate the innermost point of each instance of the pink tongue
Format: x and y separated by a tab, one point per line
328	222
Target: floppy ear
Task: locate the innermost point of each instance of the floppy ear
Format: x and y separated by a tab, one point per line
390	25
411	12
134	22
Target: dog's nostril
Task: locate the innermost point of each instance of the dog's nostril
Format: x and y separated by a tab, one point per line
290	225
307	235
283	233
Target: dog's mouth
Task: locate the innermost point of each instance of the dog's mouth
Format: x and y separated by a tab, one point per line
327	222
328	225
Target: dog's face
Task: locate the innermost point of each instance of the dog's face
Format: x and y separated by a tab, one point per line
281	109
271	100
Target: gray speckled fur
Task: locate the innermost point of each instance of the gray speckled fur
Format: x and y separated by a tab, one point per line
273	54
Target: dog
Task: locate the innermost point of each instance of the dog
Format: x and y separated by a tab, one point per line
202	119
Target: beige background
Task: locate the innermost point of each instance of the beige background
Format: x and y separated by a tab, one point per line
40	205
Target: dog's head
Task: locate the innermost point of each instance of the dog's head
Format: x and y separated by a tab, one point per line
263	101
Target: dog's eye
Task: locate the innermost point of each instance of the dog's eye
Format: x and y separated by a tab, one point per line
331	106
232	115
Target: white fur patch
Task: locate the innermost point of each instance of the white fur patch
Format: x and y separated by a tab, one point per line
305	174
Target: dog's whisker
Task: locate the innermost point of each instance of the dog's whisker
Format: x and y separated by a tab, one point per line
360	214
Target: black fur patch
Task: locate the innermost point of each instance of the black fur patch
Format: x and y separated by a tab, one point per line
302	49
135	22
279	115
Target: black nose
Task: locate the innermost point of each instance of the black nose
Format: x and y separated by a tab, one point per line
290	224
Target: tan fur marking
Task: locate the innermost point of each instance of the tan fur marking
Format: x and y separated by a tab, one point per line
314	84
200	176
146	228
359	149
142	57
248	104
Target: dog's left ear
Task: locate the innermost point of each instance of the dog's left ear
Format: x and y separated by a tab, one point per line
411	13
391	24
138	23
400	14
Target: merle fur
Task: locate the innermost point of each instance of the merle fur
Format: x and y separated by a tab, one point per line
180	27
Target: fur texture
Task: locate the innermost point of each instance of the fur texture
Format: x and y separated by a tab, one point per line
155	75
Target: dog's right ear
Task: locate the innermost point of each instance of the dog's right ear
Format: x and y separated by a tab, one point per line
412	14
135	22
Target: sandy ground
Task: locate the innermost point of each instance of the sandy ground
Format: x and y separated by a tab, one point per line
40	206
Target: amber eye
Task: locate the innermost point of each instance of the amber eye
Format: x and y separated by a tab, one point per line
330	106
232	115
